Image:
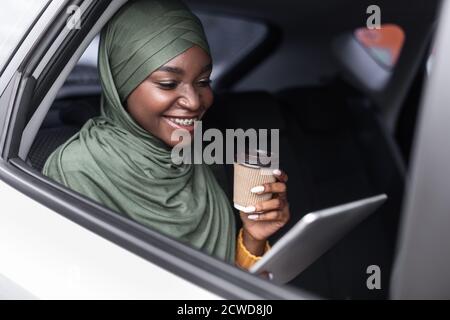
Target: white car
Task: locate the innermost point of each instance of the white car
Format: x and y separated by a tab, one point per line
347	119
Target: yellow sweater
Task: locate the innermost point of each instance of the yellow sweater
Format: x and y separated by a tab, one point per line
244	259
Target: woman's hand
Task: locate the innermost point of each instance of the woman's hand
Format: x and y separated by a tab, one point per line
268	217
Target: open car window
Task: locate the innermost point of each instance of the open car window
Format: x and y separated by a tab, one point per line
333	138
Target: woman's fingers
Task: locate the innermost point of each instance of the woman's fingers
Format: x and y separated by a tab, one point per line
276	215
274	187
268	216
280	175
269	205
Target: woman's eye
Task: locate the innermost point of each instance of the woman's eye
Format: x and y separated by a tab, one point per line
205	82
168	85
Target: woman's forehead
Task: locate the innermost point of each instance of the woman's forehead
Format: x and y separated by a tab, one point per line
181	71
193	59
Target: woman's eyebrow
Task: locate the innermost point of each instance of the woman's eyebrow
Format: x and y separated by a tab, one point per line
171	69
180	71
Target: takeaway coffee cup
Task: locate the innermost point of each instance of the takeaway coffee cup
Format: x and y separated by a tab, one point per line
251	170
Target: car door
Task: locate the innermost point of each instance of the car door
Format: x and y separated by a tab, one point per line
58	244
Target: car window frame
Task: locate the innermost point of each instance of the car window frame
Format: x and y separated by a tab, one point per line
170	254
29	40
24	36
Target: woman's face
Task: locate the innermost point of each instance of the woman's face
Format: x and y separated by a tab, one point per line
174	95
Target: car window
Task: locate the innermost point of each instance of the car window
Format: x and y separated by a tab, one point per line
15	18
384	44
231	39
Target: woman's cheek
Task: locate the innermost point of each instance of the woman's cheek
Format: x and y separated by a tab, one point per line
208	99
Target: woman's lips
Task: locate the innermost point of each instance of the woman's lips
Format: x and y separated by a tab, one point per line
186	123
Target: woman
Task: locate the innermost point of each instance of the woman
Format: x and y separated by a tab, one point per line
154	65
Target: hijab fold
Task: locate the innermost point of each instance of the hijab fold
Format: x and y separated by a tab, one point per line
115	162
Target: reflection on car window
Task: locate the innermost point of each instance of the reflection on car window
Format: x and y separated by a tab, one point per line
384	44
15	18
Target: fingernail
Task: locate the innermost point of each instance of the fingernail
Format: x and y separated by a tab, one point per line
257	189
249	209
253	217
277	172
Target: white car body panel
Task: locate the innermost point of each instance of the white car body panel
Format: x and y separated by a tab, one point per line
55	258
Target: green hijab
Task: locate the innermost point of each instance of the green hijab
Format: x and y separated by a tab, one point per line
115	162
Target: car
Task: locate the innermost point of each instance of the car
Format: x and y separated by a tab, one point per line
357	92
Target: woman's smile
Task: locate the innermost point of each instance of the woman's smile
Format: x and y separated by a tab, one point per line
178	122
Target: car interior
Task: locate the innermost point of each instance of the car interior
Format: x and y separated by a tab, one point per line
298	67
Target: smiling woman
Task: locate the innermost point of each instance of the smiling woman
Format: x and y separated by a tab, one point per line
154	65
174	96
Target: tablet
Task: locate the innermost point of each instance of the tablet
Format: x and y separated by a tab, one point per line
311	237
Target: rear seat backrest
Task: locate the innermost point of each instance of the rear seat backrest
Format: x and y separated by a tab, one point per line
64	119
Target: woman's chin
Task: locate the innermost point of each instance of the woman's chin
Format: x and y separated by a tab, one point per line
180	143
174	139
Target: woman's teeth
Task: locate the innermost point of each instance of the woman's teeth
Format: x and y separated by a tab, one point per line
183	122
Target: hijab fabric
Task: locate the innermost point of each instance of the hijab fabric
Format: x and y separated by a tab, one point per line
115	162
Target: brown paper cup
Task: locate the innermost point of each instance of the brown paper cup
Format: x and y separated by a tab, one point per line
245	178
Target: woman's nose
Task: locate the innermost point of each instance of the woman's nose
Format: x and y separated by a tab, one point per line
190	99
